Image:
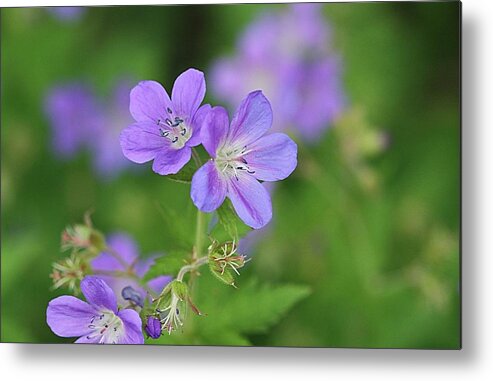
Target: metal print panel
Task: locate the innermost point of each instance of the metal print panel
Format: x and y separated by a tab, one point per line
240	175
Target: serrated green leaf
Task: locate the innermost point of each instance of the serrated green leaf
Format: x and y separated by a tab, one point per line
186	173
168	264
253	308
256	308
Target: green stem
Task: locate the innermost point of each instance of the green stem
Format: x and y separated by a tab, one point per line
199	235
191	267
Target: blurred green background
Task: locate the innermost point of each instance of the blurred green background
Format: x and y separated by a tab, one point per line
373	233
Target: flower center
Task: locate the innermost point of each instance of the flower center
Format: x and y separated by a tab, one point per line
107	327
174	129
230	161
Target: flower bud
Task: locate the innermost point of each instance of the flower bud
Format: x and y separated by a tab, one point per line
153	327
129	293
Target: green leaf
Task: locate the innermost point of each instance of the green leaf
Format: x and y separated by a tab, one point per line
232	225
186	173
174	223
168	264
253	308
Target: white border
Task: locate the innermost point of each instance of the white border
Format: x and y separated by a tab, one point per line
474	362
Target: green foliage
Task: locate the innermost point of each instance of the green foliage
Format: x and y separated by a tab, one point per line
231	315
168	264
230	223
186	173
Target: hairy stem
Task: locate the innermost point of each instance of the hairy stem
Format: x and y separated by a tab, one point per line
191	267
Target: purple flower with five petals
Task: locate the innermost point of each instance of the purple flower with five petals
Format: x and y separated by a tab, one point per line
241	155
166	129
97	321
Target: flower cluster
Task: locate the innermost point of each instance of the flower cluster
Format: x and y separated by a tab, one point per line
79	120
241	152
288	55
123	291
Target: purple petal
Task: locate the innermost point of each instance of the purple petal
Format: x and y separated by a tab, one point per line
158	284
188	92
252	119
171	160
208	187
272	157
68	316
98	293
196	125
215	129
149	102
123	245
133	327
250	200
141	142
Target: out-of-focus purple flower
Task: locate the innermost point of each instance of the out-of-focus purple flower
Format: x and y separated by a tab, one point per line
166	129
97	321
127	260
287	55
67	13
75	117
242	154
153	327
108	156
80	120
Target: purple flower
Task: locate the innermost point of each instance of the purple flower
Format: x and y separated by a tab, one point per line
288	56
166	129
153	327
97	321
74	115
128	261
241	155
79	120
108	157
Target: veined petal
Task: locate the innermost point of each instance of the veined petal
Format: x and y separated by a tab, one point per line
196	125
208	188
141	142
68	316
188	92
272	157
149	102
98	293
251	121
170	161
132	327
250	200
215	129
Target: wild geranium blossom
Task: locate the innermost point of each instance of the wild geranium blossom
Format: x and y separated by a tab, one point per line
125	260
97	321
242	154
166	129
288	55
